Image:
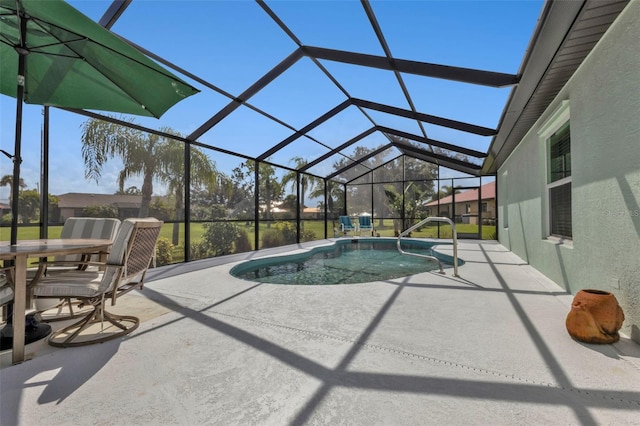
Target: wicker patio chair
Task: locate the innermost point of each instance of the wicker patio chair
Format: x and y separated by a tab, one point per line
74	227
6	292
130	257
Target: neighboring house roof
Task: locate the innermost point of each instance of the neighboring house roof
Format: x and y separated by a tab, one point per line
488	191
80	200
76	199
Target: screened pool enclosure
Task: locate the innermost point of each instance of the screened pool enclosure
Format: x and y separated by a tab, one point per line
307	111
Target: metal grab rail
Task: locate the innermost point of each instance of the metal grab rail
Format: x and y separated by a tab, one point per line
455	242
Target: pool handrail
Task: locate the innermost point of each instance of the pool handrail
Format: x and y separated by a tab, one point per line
455	242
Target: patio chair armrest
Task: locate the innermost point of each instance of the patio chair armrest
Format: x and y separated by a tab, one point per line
9	273
42	267
81	264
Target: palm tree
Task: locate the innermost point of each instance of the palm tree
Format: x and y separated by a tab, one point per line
7	180
307	182
268	187
102	141
445	191
171	172
335	191
149	155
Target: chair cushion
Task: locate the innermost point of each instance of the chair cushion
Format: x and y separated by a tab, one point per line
345	222
6	294
365	221
70	284
119	246
90	227
87	227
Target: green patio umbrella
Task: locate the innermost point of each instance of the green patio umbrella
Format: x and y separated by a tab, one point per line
51	54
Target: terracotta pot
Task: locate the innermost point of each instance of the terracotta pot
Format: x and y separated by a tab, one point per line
595	317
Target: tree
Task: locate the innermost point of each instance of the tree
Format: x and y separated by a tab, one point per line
409	201
445	191
7	180
102	140
269	189
225	191
132	190
148	155
307	182
373	162
171	172
160	209
335	195
290	202
29	205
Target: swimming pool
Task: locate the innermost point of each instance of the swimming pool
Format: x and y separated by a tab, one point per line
346	262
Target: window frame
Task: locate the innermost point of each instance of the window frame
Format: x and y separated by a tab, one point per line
560	117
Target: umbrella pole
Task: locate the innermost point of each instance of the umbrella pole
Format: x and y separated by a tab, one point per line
15	187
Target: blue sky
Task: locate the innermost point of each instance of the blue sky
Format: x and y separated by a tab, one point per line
232	44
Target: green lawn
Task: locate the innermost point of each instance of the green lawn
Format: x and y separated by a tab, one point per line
317	227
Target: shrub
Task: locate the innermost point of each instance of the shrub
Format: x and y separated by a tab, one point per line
242	242
100	211
288	232
198	250
284	233
164	251
307	235
160	210
272	238
218	238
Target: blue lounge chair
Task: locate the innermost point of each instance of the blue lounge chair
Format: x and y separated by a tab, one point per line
365	224
346	225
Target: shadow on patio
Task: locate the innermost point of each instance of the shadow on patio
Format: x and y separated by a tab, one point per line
489	347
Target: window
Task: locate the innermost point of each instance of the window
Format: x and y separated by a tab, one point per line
557	138
560	154
484	207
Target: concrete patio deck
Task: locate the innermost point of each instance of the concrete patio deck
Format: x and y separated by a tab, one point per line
488	347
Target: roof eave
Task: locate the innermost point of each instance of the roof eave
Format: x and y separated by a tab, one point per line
560	24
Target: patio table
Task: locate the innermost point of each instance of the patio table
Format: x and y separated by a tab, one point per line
25	249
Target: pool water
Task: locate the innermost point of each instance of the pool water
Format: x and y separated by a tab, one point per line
347	262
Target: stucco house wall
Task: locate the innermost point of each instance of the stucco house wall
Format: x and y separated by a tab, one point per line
604	100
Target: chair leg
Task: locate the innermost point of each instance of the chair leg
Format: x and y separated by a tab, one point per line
98	315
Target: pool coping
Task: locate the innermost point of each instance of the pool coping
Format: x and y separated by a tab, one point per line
243	267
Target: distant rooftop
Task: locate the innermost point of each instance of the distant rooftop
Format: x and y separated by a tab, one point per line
487	192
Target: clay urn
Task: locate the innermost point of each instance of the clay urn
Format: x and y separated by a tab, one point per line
595	317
